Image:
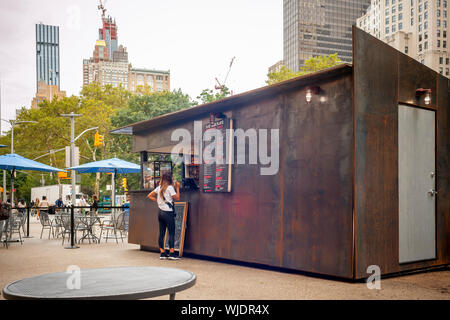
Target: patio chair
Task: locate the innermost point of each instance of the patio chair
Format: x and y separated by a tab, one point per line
4	231
15	223
65	223
45	222
87	225
23	220
115	224
57	226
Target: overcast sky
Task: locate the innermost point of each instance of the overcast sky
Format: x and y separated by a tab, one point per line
195	39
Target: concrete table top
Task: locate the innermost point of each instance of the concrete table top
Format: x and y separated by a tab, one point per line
117	283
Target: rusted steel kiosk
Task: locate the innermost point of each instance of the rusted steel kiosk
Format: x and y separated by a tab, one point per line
363	175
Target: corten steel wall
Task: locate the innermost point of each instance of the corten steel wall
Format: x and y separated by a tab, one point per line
300	218
384	78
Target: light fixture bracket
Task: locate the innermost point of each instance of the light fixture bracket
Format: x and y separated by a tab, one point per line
422	91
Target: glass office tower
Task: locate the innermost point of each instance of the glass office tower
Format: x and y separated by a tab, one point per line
47	54
319	27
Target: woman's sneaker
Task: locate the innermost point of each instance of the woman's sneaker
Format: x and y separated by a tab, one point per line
163	256
172	256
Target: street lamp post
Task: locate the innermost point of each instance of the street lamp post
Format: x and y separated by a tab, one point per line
12	123
51	82
72	117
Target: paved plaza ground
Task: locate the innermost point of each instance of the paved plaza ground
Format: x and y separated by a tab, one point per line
215	280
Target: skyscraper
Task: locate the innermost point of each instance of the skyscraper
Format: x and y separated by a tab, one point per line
109	63
418	28
47	55
318	28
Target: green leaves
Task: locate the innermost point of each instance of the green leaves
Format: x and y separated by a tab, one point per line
208	95
313	64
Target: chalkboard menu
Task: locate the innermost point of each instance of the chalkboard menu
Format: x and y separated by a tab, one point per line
181	210
217	176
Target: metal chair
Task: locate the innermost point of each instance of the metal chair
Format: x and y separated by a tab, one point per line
23	220
4	231
88	222
65	222
15	223
115	224
45	222
56	225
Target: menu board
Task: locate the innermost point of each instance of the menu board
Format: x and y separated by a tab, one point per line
217	176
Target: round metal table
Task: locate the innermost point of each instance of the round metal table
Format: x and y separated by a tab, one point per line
119	283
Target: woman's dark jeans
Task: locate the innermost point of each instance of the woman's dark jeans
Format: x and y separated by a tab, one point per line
166	220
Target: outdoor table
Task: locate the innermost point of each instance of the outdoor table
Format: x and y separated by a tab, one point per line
88	221
119	283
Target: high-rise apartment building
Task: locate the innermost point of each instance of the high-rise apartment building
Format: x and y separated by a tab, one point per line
109	63
318	28
109	34
47	55
418	28
100	68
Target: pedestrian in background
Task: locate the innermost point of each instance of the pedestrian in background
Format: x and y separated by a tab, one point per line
36	208
94	205
83	203
126	210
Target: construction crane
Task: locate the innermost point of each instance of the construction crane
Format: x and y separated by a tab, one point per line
101	6
219	85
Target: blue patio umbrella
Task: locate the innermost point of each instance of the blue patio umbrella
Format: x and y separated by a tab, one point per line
14	162
113	165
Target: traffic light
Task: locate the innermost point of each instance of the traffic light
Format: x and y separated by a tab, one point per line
79	155
124	183
98	140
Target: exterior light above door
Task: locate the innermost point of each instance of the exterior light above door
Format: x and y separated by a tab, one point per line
310	91
427	92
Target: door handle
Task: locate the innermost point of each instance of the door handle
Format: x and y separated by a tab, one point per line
432	192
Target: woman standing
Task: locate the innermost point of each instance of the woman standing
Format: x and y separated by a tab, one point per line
164	195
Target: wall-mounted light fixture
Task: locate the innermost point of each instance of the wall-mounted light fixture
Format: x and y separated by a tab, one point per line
310	91
427	92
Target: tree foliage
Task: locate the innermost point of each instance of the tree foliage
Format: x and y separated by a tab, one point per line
209	95
104	107
320	63
313	64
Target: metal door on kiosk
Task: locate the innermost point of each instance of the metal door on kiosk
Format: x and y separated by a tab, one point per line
416	182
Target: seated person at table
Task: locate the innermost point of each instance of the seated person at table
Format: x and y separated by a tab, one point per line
59	203
44	204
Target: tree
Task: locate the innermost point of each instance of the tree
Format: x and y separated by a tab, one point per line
140	108
313	64
320	63
52	132
208	95
105	107
284	74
